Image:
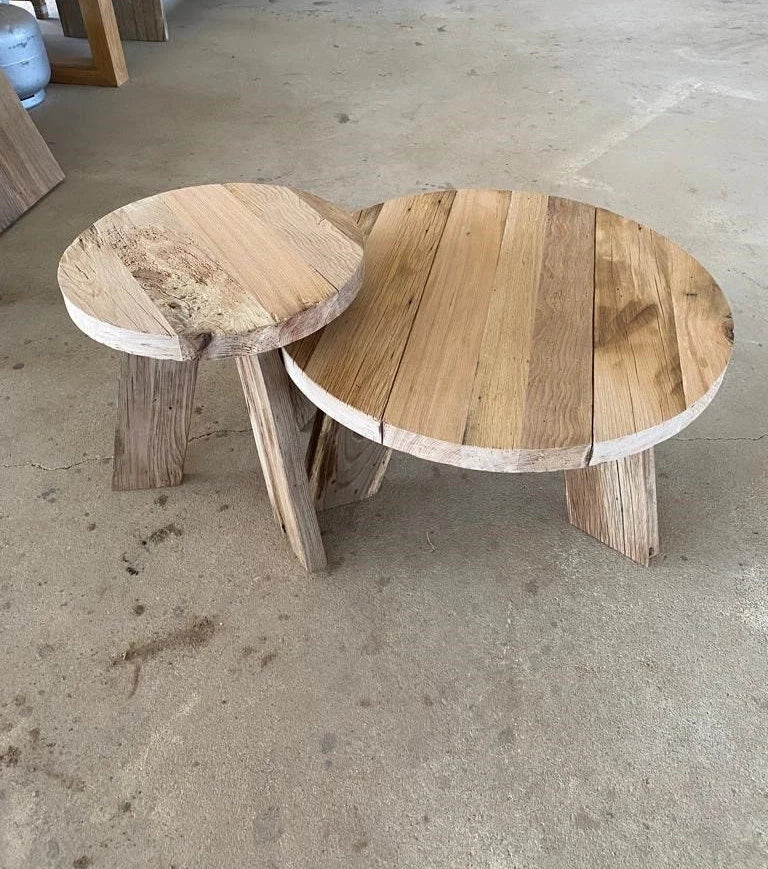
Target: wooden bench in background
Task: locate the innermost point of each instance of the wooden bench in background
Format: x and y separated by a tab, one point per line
136	19
107	66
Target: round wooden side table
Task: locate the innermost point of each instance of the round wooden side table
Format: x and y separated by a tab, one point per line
508	331
205	273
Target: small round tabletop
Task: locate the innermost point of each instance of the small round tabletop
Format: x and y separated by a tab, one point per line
511	331
212	271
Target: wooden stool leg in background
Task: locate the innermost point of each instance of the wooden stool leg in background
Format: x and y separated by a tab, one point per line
343	466
616	503
43	9
267	389
303	408
154	410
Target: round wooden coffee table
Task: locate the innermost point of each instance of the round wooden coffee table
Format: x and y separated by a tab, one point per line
205	273
508	331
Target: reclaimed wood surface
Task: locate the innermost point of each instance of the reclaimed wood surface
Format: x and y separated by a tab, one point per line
28	170
212	271
343	466
616	503
154	410
268	395
303	409
510	331
663	337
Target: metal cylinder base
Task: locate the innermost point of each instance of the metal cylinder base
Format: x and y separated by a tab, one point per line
34	100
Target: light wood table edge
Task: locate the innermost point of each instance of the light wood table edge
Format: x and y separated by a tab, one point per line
490	459
262	340
494	460
125	340
431	449
351	418
621	448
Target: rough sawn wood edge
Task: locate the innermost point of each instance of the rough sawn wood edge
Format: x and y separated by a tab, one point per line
629	445
488	458
269	337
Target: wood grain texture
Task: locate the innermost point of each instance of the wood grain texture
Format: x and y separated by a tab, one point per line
663	336
558	403
267	392
211	271
154	409
616	503
107	66
343	466
136	19
71	18
533	387
432	390
508	331
342	220
499	402
28	170
399	253
303	409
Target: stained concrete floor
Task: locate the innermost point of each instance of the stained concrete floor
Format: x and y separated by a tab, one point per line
473	683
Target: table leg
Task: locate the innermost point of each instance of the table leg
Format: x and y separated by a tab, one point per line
267	391
616	503
154	410
343	466
43	10
303	409
107	67
136	19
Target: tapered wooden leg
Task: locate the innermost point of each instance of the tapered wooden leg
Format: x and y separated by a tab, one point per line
267	391
343	466
303	409
154	409
616	503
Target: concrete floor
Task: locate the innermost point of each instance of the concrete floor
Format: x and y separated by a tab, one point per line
503	693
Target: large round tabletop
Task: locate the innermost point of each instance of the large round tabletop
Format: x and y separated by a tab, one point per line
513	331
